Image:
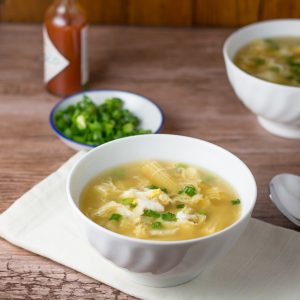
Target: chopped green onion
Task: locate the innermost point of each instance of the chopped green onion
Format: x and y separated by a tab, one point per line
294	68
236	201
157	225
151	213
272	44
152	187
180	206
129	201
203	212
93	124
155	187
80	122
259	61
168	216
128	128
189	190
115	217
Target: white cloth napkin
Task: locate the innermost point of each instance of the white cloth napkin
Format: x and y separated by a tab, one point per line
265	264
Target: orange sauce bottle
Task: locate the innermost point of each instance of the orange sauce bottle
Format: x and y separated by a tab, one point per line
65	48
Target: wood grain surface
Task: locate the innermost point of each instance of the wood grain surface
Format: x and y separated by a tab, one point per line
187	79
161	12
226	13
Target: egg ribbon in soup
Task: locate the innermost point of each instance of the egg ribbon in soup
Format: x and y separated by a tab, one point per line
160	200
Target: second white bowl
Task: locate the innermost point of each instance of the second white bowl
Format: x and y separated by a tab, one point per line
276	106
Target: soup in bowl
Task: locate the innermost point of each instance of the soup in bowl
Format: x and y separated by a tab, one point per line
162	207
263	66
160	200
275	59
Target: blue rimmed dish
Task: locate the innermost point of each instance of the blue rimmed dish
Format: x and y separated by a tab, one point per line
149	113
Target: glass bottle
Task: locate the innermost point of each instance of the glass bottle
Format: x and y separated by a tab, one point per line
65	48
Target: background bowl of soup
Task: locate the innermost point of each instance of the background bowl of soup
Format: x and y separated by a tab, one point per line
153	262
263	64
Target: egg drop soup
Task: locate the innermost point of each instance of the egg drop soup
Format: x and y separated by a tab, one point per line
272	59
160	200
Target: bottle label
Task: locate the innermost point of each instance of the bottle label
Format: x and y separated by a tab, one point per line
84	56
54	61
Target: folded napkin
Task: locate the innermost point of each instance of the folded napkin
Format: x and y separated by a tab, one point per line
264	264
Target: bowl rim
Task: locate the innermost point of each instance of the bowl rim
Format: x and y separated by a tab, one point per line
229	39
58	104
156	242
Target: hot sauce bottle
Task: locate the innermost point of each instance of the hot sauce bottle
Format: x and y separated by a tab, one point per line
65	48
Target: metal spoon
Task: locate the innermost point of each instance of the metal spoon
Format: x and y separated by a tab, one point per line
284	191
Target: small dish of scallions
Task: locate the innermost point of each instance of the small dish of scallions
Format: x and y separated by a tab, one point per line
91	118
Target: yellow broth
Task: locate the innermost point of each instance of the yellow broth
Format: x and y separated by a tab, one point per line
272	59
160	200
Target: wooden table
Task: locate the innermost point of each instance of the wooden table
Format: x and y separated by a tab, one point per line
180	69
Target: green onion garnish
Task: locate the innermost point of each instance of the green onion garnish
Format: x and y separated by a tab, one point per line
236	202
259	61
129	201
180	206
168	216
157	225
115	217
189	190
272	44
151	213
155	187
152	187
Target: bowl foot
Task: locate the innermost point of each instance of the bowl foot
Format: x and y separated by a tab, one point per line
280	129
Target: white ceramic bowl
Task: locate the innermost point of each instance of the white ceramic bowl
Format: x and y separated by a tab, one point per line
162	263
147	111
276	106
